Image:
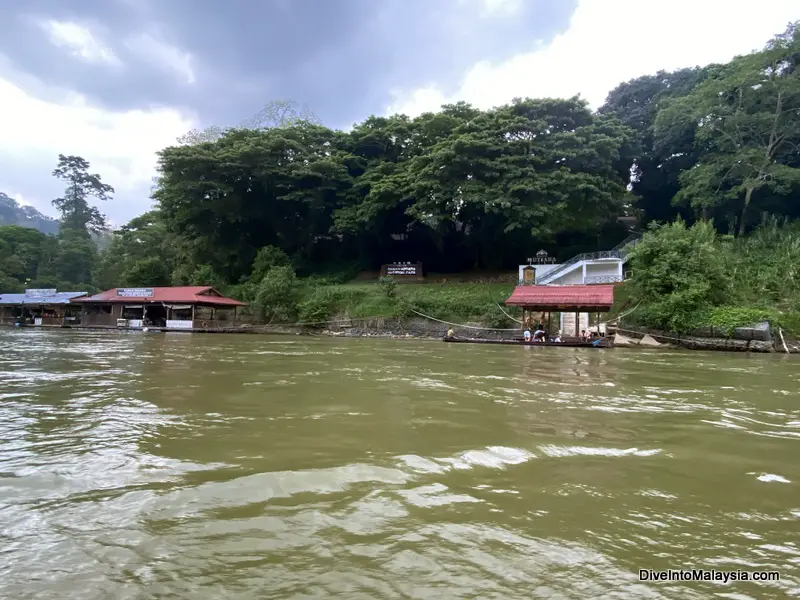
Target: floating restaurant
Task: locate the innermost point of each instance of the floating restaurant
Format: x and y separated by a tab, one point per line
192	308
40	308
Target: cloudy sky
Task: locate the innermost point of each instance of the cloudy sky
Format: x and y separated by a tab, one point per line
116	80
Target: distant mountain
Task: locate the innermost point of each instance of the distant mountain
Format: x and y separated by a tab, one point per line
13	213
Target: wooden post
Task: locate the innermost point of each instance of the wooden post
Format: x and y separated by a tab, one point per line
577	323
193	307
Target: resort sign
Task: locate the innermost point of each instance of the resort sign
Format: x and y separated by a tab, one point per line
403	269
135	292
541	258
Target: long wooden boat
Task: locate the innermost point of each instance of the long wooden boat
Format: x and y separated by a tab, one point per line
598	343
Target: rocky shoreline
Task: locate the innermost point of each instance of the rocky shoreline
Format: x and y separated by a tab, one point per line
418	328
743	340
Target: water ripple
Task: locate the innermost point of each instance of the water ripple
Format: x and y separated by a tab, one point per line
137	466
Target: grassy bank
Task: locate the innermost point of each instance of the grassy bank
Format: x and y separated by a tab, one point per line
319	299
456	301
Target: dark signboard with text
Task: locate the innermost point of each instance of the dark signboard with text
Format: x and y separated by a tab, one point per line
402	270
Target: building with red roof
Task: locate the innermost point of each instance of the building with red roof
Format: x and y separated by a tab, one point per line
574	303
563	298
172	308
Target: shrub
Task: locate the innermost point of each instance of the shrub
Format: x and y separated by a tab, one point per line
728	318
679	273
268	258
496	318
276	294
789	321
319	306
388	286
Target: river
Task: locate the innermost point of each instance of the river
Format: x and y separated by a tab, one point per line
233	466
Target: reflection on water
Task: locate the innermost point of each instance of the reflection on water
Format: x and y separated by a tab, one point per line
205	466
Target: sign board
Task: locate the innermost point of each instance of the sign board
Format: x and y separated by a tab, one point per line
403	270
176	324
135	292
40	293
529	275
541	258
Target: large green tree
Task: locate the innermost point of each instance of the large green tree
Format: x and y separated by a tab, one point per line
657	164
746	122
23	252
81	186
249	189
80	220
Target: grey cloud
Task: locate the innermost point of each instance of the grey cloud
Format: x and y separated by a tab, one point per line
223	61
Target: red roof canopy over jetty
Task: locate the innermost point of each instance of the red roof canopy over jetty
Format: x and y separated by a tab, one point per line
202	294
555	298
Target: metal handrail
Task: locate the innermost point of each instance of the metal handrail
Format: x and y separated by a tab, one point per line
579	257
618	251
625	245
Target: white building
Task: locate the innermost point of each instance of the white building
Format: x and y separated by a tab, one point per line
584	269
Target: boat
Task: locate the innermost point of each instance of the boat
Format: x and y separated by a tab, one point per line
598	343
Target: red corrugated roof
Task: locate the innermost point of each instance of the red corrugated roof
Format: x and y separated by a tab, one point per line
601	296
199	294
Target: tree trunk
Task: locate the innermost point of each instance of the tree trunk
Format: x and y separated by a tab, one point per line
747	196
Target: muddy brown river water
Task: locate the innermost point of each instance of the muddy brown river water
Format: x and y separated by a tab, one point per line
231	466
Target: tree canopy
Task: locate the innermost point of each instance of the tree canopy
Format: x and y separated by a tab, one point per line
462	188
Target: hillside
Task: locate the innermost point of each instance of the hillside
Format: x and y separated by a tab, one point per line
13	213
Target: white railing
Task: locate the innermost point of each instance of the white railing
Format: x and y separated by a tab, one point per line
549	276
592	279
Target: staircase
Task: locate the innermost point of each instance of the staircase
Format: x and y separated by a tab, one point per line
620	251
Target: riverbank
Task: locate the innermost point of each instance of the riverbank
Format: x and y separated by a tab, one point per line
426	329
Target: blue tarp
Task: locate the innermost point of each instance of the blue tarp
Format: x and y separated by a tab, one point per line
57	298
